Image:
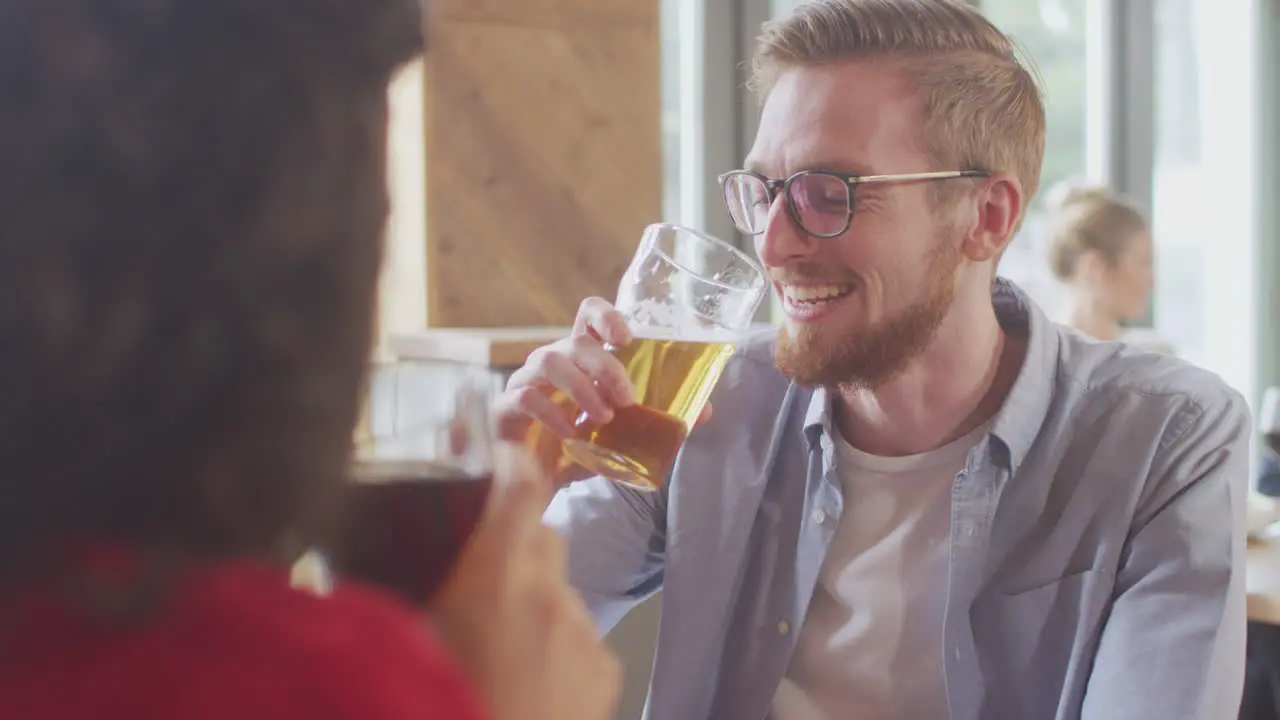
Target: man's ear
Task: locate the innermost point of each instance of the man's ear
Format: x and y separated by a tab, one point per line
999	203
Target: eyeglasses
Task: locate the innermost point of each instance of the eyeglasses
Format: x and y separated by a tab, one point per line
820	201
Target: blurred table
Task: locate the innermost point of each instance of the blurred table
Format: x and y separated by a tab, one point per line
1262	580
498	348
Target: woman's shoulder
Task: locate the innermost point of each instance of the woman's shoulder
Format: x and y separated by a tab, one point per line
236	640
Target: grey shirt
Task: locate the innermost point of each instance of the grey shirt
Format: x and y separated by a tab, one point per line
1096	562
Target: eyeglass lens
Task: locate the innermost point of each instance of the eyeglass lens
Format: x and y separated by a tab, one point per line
818	201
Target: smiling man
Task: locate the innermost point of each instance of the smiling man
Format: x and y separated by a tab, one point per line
918	498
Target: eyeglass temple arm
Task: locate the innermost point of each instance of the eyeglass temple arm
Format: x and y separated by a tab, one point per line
936	175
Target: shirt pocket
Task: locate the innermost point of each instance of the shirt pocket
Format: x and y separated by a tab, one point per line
1035	641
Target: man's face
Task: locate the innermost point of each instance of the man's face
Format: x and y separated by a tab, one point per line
861	305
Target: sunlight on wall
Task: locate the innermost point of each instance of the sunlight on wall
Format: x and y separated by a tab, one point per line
402	296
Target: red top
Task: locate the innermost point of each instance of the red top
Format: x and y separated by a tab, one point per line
234	641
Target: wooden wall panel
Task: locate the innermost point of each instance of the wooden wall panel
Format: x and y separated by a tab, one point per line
544	161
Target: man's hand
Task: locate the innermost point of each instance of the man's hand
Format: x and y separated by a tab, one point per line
562	380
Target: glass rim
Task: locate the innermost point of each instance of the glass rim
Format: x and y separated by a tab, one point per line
761	273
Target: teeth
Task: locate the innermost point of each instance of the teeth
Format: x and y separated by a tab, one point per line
813	293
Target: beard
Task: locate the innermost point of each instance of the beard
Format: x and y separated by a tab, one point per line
814	355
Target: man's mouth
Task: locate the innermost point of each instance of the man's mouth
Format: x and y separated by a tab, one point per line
809	302
813	294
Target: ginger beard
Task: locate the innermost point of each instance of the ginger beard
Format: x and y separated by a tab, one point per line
821	354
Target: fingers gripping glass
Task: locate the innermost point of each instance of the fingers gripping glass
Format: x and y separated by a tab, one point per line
688	299
819	201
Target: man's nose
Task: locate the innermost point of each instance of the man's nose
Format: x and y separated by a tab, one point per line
783	241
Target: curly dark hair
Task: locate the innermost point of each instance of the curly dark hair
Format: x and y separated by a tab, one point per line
192	197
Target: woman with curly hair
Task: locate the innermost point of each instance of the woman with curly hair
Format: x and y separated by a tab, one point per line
192	197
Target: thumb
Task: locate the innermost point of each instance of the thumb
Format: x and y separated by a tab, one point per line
519	494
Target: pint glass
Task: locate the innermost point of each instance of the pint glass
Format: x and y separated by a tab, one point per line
417	490
688	299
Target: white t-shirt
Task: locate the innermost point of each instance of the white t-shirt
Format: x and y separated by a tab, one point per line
870	647
1149	340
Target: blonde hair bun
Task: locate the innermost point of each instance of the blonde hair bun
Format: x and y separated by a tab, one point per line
1075	192
1084	217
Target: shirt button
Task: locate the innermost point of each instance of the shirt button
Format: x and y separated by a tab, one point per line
784	627
819	517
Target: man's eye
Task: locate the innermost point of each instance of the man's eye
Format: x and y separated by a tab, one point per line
829	203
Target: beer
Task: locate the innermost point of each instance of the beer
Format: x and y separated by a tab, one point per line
687	298
673	378
404	524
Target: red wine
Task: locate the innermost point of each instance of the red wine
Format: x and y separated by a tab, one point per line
404	525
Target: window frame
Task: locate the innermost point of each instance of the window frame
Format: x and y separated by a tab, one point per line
718	119
1267	184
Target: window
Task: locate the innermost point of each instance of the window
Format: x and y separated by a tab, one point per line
672	55
1176	198
1055	37
1203	189
402	289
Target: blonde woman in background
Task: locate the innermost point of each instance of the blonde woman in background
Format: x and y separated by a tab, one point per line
1101	250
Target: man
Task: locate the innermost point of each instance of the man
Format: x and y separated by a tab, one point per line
919	498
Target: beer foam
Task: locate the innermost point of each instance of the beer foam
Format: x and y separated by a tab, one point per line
692	334
653	320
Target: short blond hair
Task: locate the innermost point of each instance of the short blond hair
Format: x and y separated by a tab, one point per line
1086	218
983	107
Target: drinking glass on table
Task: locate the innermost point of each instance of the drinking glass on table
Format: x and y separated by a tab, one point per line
689	299
419	484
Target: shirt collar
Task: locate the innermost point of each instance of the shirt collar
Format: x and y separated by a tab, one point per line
817	418
1018	421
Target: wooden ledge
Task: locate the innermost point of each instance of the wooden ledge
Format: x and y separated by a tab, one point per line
489	347
1262	581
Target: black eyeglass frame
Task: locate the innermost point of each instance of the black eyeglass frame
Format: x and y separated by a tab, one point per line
774	186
